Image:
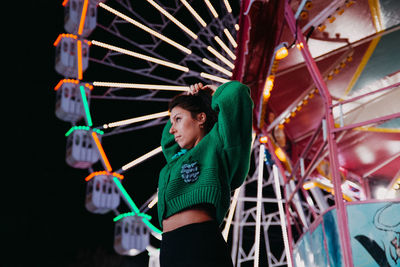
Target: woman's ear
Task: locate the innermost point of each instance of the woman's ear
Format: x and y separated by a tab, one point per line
201	117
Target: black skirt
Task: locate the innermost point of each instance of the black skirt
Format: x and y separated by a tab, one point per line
195	245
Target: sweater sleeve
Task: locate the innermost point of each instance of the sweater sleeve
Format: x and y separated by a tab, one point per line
233	102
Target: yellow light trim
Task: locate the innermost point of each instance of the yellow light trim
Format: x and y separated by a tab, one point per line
280	154
308	185
268	86
142	158
375	9
228	6
146	29
230	38
363	63
135	120
281	53
174	20
300	46
217	67
232	208
237	27
211	8
194	13
226	48
213	78
142	86
220	57
141	56
311	184
153	202
377	130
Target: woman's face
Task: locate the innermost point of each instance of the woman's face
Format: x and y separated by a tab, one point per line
187	131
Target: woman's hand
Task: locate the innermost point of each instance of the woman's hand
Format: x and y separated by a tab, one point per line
194	88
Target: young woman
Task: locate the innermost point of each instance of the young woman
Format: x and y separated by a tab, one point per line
206	144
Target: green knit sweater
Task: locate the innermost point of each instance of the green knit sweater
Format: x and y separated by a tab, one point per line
217	165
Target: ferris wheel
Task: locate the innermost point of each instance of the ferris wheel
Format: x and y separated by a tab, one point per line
143	51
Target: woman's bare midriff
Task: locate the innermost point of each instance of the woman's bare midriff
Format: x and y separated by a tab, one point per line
189	216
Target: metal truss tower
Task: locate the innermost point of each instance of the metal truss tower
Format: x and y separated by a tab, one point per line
270	248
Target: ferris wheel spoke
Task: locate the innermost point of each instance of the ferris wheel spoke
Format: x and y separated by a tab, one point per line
144	72
125	129
146	48
173	19
228	6
146	29
215	68
136	119
140	56
142	86
140	159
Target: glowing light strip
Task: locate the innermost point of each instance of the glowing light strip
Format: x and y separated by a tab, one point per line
137	119
145	28
86	106
151	226
235	197
142	158
221	57
194	13
64	35
282	215
142	86
213	78
217	67
141	56
126	195
79	59
211	8
86	128
102	153
228	6
134	207
223	46
153	202
174	20
230	38
65	81
64	3
93	174
83	16
130	214
259	203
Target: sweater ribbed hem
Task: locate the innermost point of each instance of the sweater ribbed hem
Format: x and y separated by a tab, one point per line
204	194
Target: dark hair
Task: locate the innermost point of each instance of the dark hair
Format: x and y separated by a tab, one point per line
195	104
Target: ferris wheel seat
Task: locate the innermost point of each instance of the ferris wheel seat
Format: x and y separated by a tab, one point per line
131	236
101	195
81	152
69	105
73	17
67	55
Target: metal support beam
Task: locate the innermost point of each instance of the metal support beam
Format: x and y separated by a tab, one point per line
332	146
